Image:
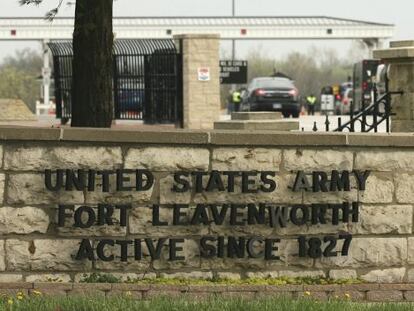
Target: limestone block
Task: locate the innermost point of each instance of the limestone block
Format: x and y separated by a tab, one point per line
190	251
168	159
140	223
48	277
376	220
195	275
262	115
1	155
282	194
370	252
44	255
132	265
118	197
262	275
69	230
378	190
289	255
330	197
395	275
410	278
246	159
404	184
317	160
385	161
30	189
167	196
2	256
11	278
40	158
2	185
402	106
23	220
344	274
411	250
385	296
302	273
402	126
401	76
234	264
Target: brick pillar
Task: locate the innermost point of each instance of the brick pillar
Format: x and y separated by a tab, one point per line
201	99
400	56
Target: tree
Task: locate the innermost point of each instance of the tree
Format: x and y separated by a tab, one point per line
18	76
92	104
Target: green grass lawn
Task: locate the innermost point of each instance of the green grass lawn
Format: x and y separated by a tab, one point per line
168	304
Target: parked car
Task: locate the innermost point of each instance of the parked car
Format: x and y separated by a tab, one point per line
272	94
346	102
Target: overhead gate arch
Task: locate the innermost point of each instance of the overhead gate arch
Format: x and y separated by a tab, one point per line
147	81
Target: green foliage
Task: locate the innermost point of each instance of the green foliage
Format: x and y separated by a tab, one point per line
109	278
18	76
250	281
99	278
176	304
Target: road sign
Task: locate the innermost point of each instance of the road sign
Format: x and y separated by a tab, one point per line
203	74
233	72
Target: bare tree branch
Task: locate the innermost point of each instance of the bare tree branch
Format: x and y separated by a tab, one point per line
52	13
49	15
27	2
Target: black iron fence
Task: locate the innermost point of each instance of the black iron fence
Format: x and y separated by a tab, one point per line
147	81
368	119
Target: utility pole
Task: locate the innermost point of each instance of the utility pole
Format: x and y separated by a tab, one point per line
233	11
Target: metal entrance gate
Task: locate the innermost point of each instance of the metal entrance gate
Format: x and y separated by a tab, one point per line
147	81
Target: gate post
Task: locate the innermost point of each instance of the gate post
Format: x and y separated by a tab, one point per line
400	57
201	95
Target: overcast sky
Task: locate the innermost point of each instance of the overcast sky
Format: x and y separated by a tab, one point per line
398	12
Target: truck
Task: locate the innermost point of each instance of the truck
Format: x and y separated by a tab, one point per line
364	79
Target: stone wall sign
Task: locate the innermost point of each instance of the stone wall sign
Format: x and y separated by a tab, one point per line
229	214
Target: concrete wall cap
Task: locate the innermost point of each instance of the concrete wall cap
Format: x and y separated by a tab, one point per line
400	44
395	53
206	137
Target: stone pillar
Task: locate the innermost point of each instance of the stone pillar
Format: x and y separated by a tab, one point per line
201	98
400	57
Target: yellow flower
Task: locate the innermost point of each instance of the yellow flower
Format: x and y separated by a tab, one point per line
37	293
19	297
128	293
307	293
347	295
10	301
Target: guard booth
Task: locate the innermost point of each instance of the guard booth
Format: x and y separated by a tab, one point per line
147	81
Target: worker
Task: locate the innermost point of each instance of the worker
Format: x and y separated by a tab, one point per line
311	102
236	100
